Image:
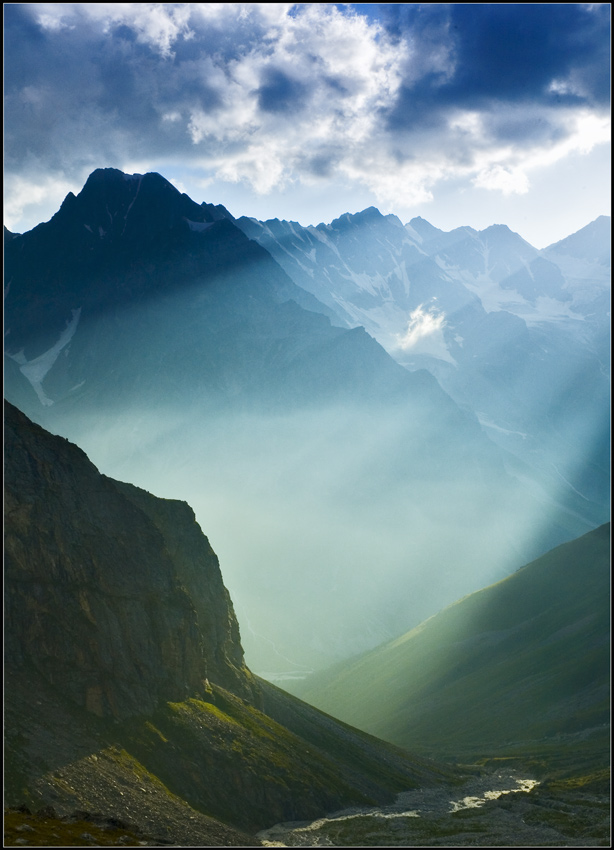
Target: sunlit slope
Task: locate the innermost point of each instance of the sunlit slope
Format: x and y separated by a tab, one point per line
522	660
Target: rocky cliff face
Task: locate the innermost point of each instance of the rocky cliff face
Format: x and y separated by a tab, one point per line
111	595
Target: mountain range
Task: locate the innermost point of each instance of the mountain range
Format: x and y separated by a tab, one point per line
351	493
519	336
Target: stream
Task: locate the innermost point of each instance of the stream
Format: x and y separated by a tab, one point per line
409	804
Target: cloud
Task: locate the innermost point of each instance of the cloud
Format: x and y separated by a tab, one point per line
475	54
396	97
280	92
507	180
422	323
40	191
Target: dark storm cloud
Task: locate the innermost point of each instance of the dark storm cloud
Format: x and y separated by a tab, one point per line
80	80
551	54
97	98
511	51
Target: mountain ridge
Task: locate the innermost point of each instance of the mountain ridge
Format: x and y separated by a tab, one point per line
511	333
513	667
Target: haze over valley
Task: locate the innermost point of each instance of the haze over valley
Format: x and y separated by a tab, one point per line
349	497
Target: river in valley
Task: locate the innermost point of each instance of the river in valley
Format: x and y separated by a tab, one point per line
414	813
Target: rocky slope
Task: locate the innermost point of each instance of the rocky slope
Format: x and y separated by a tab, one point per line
126	691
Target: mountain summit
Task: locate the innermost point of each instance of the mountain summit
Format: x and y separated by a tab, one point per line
590	243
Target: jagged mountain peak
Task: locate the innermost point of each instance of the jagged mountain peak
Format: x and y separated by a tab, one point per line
423	229
502	238
369	215
502	231
136	236
111	201
494	228
591	242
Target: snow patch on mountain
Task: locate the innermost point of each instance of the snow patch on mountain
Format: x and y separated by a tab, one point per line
364	281
549	309
295	232
136	194
307	269
322	237
580	272
36	369
403	277
486	422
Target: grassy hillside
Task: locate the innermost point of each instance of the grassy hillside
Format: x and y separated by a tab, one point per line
522	664
201	771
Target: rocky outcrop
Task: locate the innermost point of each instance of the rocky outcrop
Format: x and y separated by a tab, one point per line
111	595
197	569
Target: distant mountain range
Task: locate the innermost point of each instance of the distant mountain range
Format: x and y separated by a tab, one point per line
126	693
223	360
520	667
519	336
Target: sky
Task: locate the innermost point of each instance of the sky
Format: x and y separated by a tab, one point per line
464	114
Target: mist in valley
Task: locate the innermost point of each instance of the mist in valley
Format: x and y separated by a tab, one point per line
347	497
334	531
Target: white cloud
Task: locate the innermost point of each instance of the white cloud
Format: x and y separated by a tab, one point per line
584	132
156	24
422	323
44	192
347	71
506	180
